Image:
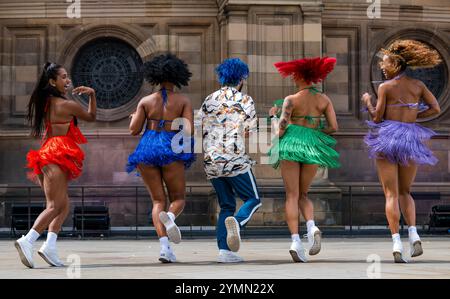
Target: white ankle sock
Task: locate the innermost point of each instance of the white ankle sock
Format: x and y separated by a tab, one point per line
51	239
164	242
397	242
295	238
32	236
412	233
412	230
171	216
396	238
310	224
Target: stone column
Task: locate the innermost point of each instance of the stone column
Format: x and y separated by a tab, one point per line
235	36
312	43
312	29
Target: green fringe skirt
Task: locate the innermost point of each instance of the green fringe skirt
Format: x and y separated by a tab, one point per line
305	145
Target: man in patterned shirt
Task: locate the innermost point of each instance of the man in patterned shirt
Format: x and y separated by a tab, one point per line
227	117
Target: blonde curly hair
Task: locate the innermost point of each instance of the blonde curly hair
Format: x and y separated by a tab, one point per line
411	53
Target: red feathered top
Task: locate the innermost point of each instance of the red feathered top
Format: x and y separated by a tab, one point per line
311	70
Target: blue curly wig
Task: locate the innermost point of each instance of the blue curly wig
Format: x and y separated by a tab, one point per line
232	71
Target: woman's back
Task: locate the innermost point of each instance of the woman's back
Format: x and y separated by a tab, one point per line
157	109
58	117
402	99
307	107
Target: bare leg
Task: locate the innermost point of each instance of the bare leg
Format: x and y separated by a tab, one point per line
406	176
153	180
290	171
388	175
55	188
41	181
173	176
55	225
54	183
307	174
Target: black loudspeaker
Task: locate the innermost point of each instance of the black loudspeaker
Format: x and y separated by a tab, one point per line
440	216
96	218
24	215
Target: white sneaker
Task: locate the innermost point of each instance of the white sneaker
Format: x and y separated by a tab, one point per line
233	233
25	249
173	232
167	256
50	255
314	240
226	256
298	252
415	245
397	251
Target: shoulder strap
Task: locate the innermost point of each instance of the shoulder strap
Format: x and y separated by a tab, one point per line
164	96
161	121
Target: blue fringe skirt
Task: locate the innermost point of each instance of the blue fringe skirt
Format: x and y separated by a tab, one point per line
159	148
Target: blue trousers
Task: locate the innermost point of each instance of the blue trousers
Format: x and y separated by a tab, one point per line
244	186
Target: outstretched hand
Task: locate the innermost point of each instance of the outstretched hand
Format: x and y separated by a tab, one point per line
273	111
366	99
83	90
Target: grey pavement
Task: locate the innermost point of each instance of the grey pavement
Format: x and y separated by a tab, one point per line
264	259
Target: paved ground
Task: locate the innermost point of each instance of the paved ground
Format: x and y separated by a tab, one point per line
265	259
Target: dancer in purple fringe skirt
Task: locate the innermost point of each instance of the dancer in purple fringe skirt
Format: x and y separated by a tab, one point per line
396	140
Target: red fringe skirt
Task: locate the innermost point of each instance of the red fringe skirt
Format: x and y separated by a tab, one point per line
60	150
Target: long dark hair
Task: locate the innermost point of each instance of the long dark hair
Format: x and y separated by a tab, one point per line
41	93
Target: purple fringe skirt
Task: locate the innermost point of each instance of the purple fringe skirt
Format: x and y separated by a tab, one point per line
399	142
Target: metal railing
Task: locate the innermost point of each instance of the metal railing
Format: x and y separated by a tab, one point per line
18	193
12	197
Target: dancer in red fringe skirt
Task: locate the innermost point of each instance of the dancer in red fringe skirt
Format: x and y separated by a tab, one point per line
59	160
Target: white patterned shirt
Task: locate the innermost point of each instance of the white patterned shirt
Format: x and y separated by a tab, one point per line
225	116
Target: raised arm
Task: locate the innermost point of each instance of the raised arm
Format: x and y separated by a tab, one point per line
330	115
286	113
431	101
137	119
78	111
376	112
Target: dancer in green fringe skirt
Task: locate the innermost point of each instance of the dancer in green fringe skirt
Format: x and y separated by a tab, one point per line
303	144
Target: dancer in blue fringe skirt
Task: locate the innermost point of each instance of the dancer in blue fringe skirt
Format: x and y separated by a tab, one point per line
166	147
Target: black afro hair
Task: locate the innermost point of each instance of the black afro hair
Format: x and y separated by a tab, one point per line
166	68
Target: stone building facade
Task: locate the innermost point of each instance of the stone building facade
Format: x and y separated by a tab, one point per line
203	32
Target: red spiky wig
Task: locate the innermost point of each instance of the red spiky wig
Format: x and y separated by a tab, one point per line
311	70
